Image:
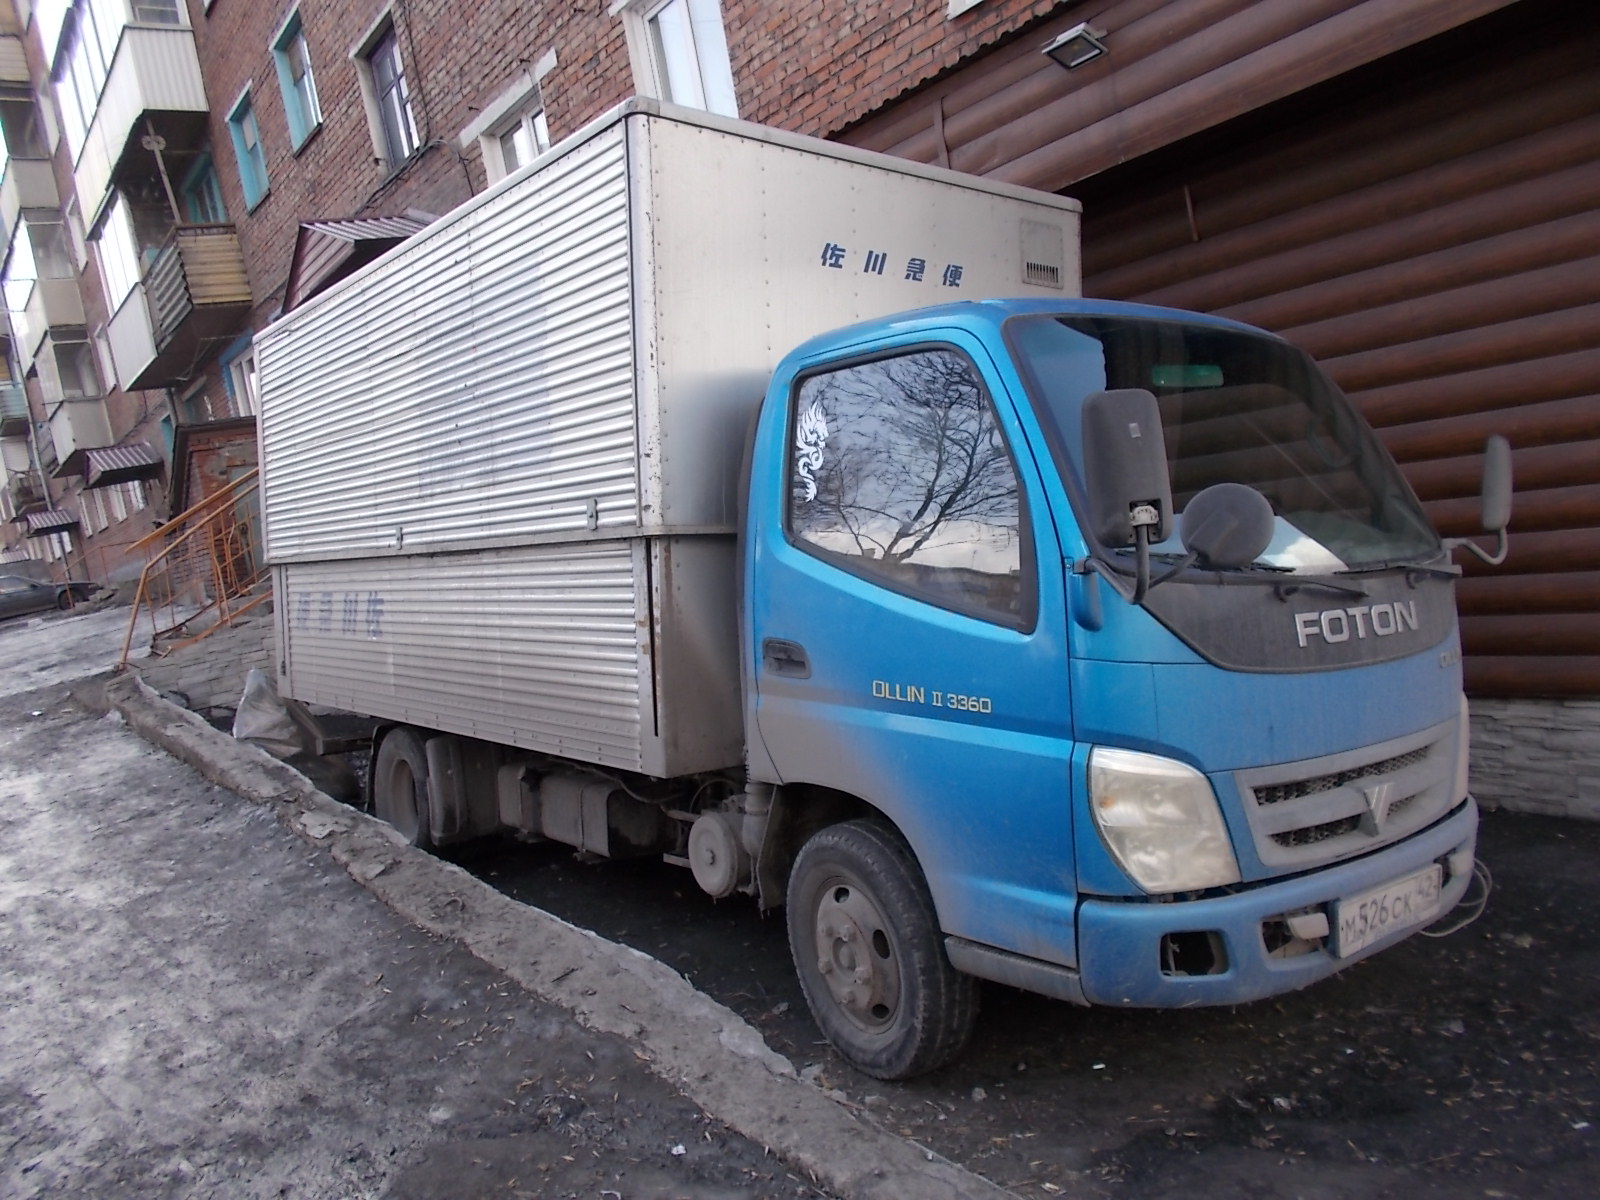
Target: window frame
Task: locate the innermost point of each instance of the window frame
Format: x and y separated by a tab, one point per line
651	62
302	107
404	134
1026	619
239	378
254	181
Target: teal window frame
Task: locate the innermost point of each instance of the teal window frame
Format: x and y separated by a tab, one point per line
245	133
300	103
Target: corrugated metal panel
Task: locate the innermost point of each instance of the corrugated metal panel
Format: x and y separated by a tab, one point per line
484	392
537	647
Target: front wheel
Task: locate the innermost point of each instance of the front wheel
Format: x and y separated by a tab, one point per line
870	956
65	600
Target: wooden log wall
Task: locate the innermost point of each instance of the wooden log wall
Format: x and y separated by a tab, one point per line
1425	222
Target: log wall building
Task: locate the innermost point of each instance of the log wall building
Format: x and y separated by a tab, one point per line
1410	190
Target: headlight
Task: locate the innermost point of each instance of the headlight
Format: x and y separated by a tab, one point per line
1161	821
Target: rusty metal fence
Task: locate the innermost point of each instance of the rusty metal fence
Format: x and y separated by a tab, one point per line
204	569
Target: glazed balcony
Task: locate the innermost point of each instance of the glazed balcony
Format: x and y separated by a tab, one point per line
13	411
76	426
25	494
52	304
153	87
193	298
26	183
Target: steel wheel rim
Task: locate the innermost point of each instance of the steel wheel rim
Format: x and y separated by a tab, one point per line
856	954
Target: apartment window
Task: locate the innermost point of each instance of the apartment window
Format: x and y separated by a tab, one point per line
76	370
389	100
201	193
157	12
22	129
293	60
515	141
52	250
119	503
118	253
679	53
246	135
240	377
94	512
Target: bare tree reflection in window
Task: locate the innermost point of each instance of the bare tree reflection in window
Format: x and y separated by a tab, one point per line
911	474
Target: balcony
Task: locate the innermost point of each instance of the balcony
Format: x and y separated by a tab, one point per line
52	304
76	426
13	411
194	298
27	183
25	494
13	60
153	86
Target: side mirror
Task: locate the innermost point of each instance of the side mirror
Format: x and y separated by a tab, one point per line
1227	525
1496	484
1125	467
1496	502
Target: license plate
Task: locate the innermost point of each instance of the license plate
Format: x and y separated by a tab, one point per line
1372	915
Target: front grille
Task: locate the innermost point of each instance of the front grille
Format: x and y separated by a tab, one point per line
1312	834
1321	810
1278	793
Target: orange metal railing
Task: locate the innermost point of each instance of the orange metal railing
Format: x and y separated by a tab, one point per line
205	569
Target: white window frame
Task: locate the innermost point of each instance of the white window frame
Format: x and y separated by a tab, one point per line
119	506
519	108
682	42
117	249
242	382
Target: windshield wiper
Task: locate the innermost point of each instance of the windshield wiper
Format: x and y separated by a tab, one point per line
1283	589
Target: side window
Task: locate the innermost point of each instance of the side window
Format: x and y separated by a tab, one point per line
899	473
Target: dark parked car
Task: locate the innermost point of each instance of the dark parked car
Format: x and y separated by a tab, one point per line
19	595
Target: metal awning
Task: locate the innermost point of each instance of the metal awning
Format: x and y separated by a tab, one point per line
326	251
51	520
15	554
111	465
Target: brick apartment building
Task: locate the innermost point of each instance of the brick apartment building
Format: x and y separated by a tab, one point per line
1408	188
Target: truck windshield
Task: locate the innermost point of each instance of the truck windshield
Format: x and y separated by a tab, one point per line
1235	407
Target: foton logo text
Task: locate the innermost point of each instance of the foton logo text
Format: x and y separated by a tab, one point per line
1364	620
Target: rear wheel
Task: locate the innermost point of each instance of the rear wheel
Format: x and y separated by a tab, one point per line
400	785
65	599
870	955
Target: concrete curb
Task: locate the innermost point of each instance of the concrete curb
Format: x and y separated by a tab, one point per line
699	1046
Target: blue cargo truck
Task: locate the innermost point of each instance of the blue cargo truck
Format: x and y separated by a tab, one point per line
1092	648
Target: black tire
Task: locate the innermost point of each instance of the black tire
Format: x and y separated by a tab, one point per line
65	599
400	785
870	955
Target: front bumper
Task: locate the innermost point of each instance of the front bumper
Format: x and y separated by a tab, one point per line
1120	944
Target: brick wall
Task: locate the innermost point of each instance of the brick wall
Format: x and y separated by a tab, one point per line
808	67
817	68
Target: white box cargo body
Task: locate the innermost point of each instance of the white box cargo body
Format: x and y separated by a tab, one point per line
500	465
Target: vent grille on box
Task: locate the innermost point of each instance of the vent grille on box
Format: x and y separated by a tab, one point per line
1041	274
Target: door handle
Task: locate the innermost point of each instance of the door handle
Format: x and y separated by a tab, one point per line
785	658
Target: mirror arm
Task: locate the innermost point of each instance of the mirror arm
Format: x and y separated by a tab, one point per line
1502	546
1141	574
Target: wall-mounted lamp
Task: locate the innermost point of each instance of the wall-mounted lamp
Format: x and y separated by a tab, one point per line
1076	46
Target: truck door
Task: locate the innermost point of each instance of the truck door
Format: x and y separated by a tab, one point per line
907	615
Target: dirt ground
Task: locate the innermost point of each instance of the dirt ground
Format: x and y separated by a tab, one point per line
1458	1066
